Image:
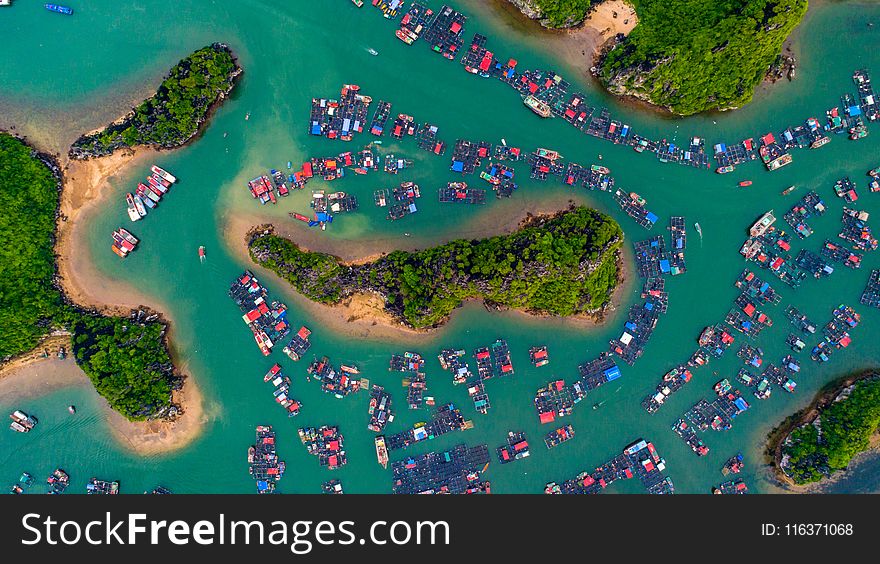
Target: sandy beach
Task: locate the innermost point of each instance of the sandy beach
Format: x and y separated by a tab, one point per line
580	46
364	316
86	188
41	375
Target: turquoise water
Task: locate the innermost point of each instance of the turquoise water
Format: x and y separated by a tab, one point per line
61	82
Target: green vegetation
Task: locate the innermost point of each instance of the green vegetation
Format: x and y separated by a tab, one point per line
562	265
29	195
126	358
173	115
562	13
127	362
844	430
695	55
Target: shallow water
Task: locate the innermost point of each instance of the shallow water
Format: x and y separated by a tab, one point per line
60	82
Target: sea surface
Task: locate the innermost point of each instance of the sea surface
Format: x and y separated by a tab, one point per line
65	75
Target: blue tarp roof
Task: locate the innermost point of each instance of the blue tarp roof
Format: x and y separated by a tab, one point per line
457	166
855	111
316	128
664	265
612	373
651	217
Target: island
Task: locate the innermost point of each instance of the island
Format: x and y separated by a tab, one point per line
175	114
126	358
686	56
563	264
822	439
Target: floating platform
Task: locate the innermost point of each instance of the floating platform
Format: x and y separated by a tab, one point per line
265	467
455	471
326	443
639	460
267	321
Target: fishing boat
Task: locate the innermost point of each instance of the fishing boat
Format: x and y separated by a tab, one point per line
147	201
744	183
22	422
699	230
139	206
874	171
763	223
381	451
789	190
820	142
406	36
148	192
724	169
156	182
600	404
71	409
600	169
706	336
547	154
132	210
202	253
372	51
538	106
358	3
734	465
164	174
350	369
59	9
128	236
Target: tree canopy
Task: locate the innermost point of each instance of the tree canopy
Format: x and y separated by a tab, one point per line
29	195
696	55
173	115
563	265
846	428
126	359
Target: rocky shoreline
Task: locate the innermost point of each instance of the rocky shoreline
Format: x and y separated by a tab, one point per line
84	147
326	279
777	437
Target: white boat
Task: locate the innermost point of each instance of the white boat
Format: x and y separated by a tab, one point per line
699	230
164	174
139	206
763	224
132	210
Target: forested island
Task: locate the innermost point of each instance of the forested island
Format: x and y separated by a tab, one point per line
689	56
126	358
562	265
822	439
173	115
686	56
